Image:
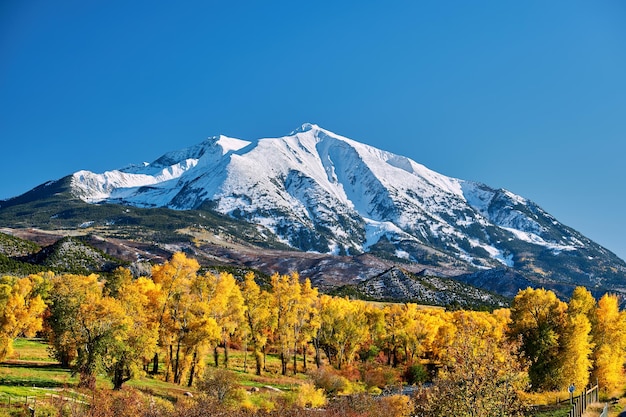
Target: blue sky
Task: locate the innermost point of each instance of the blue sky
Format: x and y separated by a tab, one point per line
529	96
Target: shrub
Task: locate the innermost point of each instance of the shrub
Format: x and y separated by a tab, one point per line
380	376
309	396
220	384
396	406
415	374
328	380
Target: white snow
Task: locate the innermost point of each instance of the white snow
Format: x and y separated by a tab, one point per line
316	177
538	240
231	144
402	254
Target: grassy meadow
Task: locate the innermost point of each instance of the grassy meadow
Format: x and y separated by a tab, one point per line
31	378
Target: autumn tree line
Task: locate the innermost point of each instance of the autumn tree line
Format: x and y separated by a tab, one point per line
174	321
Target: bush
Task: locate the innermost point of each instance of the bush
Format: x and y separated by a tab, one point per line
415	374
309	396
328	380
396	406
380	376
220	384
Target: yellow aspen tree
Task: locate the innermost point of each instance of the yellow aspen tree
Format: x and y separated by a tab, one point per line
258	316
481	376
446	330
582	302
131	353
200	331
417	331
609	337
116	280
343	326
226	306
21	310
195	330
174	278
503	318
286	295
412	333
423	332
68	293
375	343
101	324
307	321
485	327
576	341
393	331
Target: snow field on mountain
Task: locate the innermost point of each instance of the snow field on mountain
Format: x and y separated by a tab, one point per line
316	180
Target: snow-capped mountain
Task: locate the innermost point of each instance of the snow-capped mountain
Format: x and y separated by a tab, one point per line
319	191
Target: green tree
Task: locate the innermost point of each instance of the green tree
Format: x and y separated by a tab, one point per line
538	317
84	324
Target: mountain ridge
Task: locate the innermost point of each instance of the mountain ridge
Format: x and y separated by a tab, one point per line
314	190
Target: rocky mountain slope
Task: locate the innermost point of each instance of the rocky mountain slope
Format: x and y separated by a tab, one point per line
398	284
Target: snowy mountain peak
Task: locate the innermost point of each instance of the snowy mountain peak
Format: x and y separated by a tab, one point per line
319	191
304	128
231	144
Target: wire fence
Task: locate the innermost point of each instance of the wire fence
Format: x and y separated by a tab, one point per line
30	403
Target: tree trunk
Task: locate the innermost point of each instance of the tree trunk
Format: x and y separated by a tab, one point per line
216	356
304	349
295	357
192	371
245	357
258	358
121	374
225	354
283	363
177	364
155	363
318	353
168	363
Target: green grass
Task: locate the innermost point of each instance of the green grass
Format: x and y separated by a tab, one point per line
31	350
561	411
34	375
30	372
